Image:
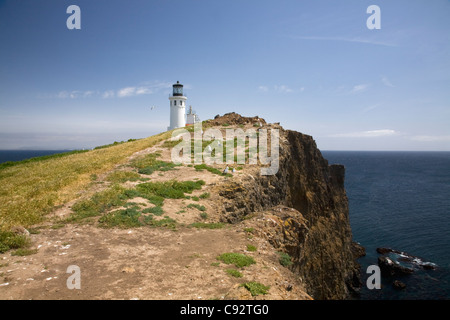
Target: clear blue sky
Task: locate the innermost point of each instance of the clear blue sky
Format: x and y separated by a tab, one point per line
312	65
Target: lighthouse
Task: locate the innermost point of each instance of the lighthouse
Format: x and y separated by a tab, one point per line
177	107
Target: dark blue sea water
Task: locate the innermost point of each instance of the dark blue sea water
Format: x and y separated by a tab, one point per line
17	155
401	200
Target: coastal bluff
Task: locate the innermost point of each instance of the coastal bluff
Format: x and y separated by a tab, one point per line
145	228
306	210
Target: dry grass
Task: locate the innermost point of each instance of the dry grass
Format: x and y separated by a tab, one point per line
29	191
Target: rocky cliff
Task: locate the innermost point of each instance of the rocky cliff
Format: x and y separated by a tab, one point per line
303	210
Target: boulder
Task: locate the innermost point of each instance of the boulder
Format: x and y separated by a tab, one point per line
384	250
19	230
428	266
399	285
388	266
406	258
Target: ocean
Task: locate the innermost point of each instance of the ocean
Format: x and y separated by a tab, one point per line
17	155
401	200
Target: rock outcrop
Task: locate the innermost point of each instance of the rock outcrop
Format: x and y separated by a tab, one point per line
306	205
395	263
410	261
390	267
236	119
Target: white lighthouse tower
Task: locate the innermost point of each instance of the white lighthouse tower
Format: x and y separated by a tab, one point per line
177	107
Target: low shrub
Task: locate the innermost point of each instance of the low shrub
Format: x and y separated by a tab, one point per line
255	288
285	259
234	273
238	259
10	240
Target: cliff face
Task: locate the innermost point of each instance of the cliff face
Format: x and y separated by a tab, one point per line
325	253
306	215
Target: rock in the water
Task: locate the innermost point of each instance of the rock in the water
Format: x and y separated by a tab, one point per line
410	260
428	266
384	250
399	285
387	265
358	250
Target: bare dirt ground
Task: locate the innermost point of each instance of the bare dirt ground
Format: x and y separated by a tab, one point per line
147	263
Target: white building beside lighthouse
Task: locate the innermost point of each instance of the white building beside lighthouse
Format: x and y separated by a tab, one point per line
191	117
177	107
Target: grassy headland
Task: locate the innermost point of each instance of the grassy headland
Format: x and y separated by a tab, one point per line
30	189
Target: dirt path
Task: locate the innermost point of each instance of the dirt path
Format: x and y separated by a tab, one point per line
147	262
141	263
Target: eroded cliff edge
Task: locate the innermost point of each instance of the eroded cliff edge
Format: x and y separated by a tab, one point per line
303	211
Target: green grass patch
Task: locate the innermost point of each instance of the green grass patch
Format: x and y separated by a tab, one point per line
224	150
204	225
149	164
99	203
117	196
157	211
115	143
128	218
154	199
197	206
205	195
133	204
158	166
123	176
203	166
251	248
203	215
234	273
200	167
10	240
285	259
166	223
131	193
133	218
24	252
238	259
169	189
256	288
34	230
170	144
